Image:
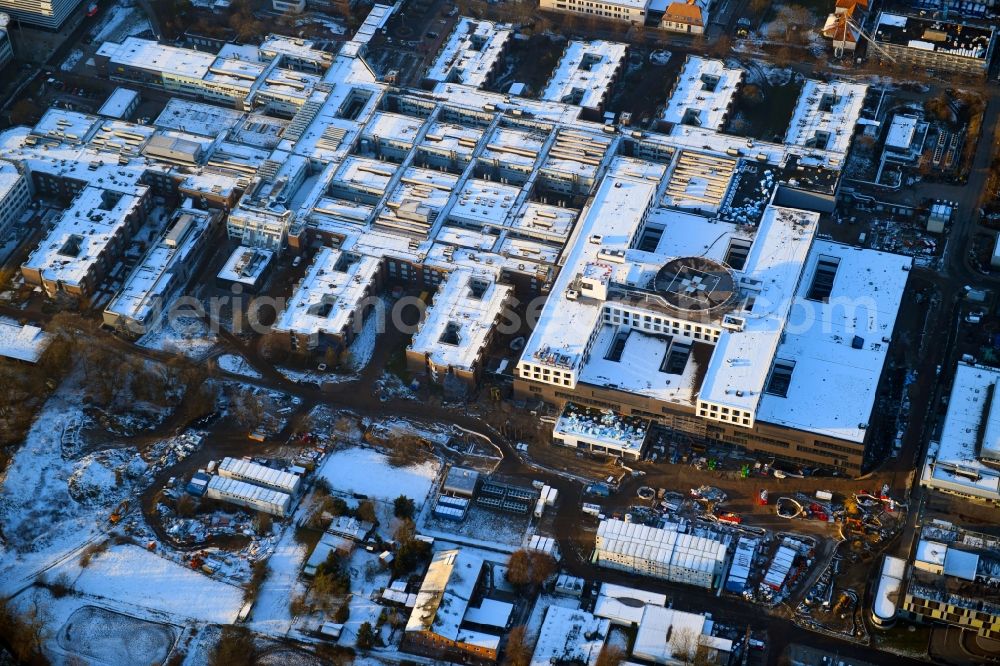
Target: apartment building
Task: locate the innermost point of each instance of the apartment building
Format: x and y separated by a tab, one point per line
923	42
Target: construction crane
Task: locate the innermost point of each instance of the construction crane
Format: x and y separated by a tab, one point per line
846	22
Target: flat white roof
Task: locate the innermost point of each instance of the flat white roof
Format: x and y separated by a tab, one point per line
65	125
585	73
197	118
394	127
153	278
737	373
470	53
703	93
295	47
901	131
326	298
618	207
245	265
363	175
149	55
449	138
834	385
890	583
484	202
954	462
569	635
80	237
118	102
460	319
825	115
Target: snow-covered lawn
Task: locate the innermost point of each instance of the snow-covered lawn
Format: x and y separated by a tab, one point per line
71	60
187	335
370	473
131	577
237	365
120	22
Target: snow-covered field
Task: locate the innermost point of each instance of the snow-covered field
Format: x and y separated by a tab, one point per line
181	334
237	365
112	638
41	521
370	473
134	578
271	611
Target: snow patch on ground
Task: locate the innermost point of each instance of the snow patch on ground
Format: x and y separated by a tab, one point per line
370	473
120	22
237	365
71	60
329	23
101	478
186	335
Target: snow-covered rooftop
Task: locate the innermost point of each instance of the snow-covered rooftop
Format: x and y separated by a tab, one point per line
484	202
450	139
618	207
970	434
901	131
668	636
825	115
570	636
155	277
470	53
625	433
326	298
703	93
585	73
834	382
24	343
9	177
246	265
445	593
151	55
79	239
740	364
461	318
197	118
118	103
